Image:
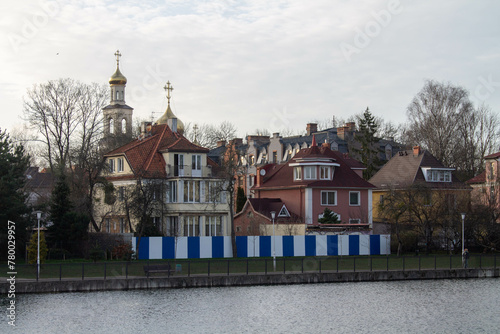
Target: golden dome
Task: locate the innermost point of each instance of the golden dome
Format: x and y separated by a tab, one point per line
168	115
117	78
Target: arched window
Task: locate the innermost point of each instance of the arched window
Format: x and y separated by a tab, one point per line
124	125
111	126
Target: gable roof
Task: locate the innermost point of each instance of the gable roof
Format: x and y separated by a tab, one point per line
344	177
405	169
481	178
145	155
264	206
493	156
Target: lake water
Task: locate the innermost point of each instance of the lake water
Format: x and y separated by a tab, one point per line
437	306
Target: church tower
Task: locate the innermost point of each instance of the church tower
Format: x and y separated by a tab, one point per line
118	115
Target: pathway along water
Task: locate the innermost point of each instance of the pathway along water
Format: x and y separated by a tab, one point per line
432	306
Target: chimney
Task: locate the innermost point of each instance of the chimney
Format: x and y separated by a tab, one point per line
342	132
221	143
236	141
276	135
416	151
172	124
146	129
259	176
311	128
351	126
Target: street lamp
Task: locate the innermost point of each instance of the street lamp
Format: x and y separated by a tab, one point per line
273	215
38	216
463	220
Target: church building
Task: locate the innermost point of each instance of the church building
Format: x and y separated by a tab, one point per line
174	178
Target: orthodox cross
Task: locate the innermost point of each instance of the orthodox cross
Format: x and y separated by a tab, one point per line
195	128
118	55
168	88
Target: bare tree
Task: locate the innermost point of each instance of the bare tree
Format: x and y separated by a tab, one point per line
423	210
207	135
444	121
142	202
67	114
229	168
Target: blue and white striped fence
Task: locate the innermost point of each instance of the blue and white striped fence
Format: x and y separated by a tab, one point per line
261	246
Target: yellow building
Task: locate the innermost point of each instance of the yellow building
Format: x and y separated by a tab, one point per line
160	175
419	201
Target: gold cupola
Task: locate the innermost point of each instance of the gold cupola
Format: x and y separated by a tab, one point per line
117	78
169	113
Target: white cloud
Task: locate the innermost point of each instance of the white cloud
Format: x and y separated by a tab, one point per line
247	61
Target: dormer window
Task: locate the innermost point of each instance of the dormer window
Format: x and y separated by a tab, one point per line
111	165
437	175
310	172
324	173
120	164
297	173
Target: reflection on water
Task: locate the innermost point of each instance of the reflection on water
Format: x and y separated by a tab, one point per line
440	306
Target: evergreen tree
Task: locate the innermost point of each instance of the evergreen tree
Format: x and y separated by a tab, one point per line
69	228
241	199
60	206
369	151
329	217
13	163
33	248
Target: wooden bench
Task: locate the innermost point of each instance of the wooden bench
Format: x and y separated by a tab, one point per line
157	268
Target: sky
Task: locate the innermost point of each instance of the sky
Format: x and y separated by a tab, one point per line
261	64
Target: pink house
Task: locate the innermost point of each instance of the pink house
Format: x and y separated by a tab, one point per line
485	185
317	178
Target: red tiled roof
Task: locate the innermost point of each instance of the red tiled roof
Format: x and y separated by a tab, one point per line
344	177
145	155
264	206
493	156
481	178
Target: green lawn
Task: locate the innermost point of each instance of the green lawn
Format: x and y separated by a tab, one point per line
76	269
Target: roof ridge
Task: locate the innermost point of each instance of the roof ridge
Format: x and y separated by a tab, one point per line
418	166
155	148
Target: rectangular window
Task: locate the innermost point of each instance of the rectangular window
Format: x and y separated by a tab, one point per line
491	171
275	157
192	226
328	198
178	165
381	200
196	162
108	225
120	164
252	160
297	173
157	223
122	225
354	199
213	191
121	193
192	192
324	173
171	192
213	226
111	165
173	226
354	221
310	172
447	176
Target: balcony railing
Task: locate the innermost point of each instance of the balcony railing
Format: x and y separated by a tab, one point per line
188	171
